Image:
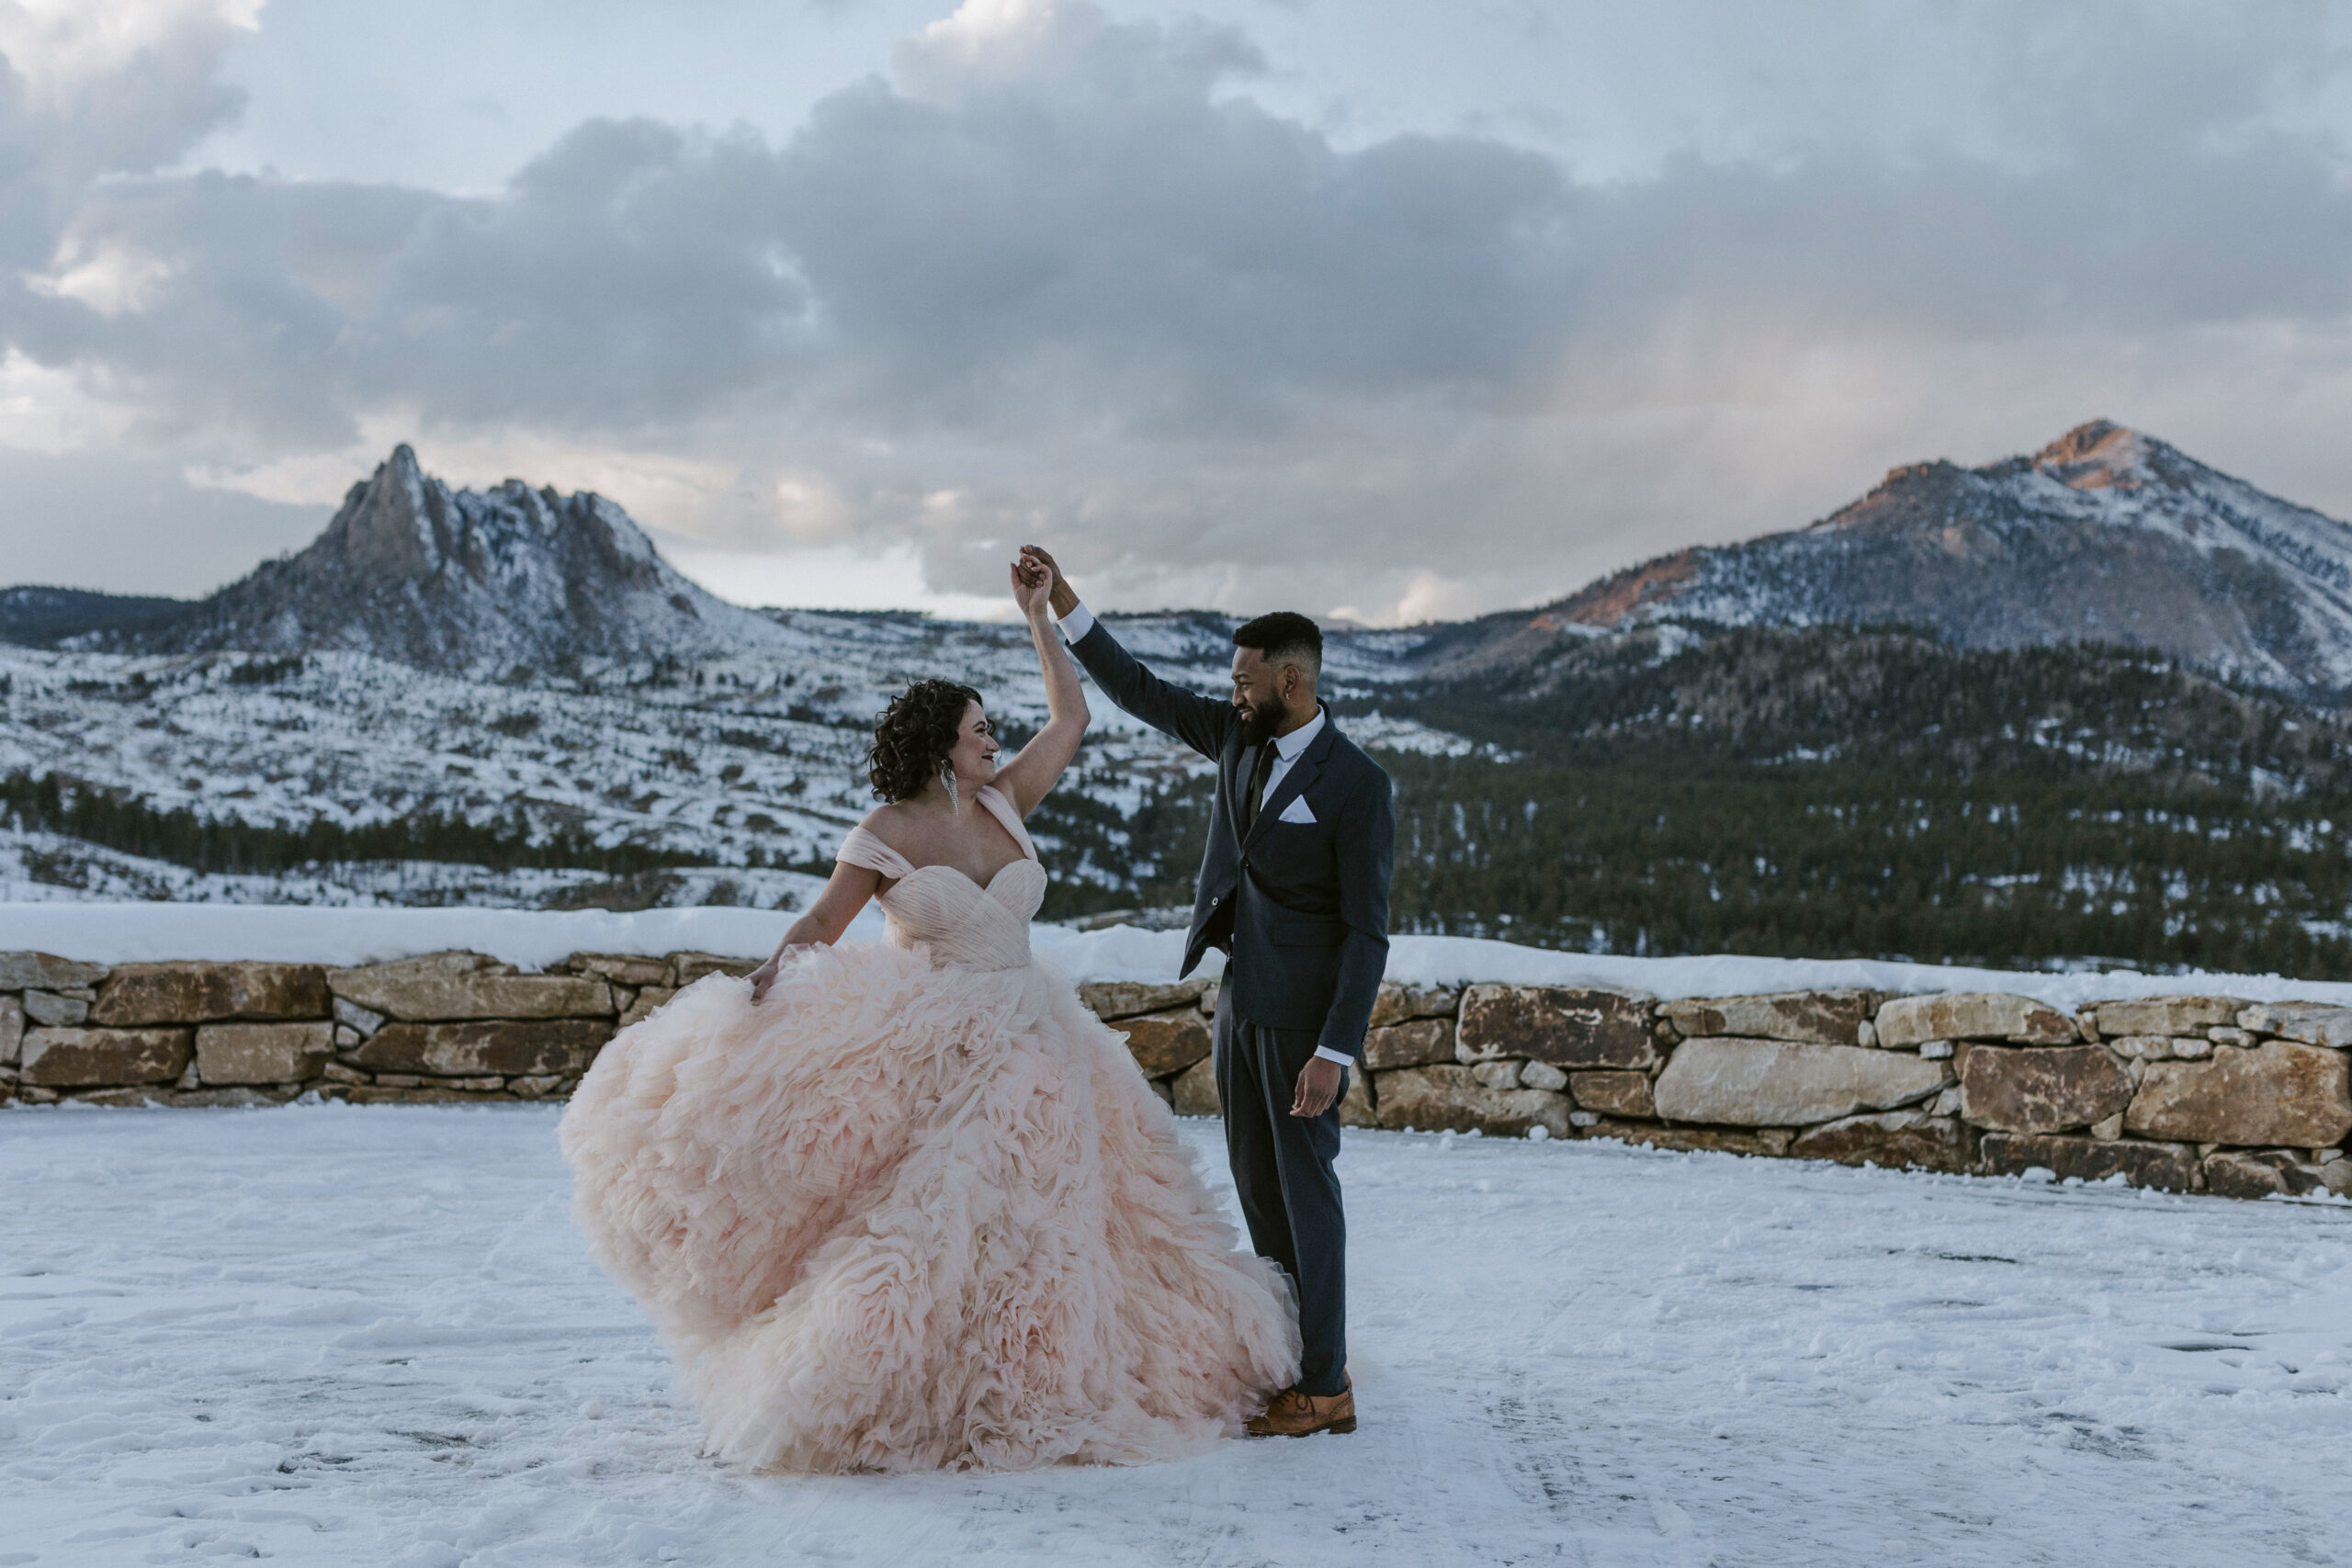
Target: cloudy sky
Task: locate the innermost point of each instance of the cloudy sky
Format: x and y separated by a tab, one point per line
1395	309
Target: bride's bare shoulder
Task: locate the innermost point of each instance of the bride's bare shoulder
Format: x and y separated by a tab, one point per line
892	824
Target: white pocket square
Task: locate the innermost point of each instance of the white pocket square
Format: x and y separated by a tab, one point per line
1296	811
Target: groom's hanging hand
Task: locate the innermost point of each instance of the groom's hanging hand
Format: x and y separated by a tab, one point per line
1319	1086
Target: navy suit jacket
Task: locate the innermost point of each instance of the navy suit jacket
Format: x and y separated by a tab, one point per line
1300	908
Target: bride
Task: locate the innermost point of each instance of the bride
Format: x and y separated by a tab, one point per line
908	1205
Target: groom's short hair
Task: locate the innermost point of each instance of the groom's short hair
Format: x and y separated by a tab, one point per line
1285	637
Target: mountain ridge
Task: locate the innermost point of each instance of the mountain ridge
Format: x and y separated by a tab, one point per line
2106	535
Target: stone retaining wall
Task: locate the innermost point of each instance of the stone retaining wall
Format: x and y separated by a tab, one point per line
2213	1094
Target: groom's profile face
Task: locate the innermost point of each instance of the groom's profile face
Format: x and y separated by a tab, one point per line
1262	692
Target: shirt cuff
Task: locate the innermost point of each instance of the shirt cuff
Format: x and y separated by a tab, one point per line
1330	1056
1077	624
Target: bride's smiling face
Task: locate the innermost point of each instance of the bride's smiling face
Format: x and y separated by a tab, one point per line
975	753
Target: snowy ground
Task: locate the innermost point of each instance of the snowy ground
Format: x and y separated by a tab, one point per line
346	1336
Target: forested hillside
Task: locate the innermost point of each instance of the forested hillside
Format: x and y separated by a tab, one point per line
1828	793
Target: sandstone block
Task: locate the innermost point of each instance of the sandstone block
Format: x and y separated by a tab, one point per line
1399	1003
467	1050
688	967
1496	1075
1356	1106
1417	1043
1128	998
2172	1166
416	990
534	1086
262	1052
204	993
2047	1089
362	1022
2166	1015
1826	1018
53	1011
2315	1023
1616	1094
621	968
2244	1173
1549	1023
1772	1083
649	1001
1898	1139
63	1057
1973	1015
12	1030
1166	1043
2147	1047
1193	1090
1442	1098
1768	1141
1543	1075
2279	1092
46	971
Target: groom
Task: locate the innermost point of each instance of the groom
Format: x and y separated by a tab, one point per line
1295	889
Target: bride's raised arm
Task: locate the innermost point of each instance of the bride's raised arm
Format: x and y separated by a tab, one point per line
1029	777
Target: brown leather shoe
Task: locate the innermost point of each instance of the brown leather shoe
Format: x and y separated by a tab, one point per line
1296	1415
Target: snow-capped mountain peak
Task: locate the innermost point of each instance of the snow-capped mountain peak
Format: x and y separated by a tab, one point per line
414	571
2107	534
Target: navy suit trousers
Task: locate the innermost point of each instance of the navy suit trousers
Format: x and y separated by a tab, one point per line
1290	1193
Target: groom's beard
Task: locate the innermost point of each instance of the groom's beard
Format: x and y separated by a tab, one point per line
1259	723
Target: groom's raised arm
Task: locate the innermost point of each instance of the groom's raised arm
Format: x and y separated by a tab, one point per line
1199	721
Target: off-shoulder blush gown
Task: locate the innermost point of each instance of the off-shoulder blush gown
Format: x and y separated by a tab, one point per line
917	1209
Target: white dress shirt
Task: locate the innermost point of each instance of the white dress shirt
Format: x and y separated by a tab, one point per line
1287	750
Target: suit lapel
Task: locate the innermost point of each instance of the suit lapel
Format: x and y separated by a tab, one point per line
1304	772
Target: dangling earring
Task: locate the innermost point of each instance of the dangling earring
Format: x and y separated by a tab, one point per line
947	777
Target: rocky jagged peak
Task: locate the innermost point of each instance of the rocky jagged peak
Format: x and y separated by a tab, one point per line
386	525
414	571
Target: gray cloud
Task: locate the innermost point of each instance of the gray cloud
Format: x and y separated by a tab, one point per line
1070	276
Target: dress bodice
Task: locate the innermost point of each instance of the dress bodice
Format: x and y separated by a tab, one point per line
939	909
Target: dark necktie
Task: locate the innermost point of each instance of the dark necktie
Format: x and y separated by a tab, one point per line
1258	776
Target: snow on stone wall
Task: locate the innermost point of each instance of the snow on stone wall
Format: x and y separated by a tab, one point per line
2183	1083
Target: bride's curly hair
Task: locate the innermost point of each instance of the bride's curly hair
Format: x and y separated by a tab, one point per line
913	736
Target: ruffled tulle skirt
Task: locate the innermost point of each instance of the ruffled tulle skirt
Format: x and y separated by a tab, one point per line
901	1216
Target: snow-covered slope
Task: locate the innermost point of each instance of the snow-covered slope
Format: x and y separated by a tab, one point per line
2106	535
756	758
